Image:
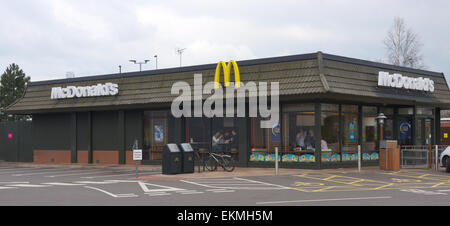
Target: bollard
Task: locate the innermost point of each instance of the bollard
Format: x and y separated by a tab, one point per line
276	161
359	158
436	158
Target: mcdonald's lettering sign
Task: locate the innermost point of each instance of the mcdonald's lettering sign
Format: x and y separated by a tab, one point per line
227	74
212	106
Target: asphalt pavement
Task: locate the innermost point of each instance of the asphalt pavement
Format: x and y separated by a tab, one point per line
75	185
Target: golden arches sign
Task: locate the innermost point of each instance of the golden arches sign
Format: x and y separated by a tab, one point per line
227	74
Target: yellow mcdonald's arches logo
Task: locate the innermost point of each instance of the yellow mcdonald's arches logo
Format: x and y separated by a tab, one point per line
227	74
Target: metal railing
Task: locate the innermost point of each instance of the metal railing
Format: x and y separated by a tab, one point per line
420	156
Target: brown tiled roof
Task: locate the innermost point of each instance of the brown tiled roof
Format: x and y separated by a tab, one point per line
306	74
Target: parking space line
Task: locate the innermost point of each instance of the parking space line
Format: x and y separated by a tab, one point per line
131	195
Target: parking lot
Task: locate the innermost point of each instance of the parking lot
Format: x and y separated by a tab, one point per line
66	185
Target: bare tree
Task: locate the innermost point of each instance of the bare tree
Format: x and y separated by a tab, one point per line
403	46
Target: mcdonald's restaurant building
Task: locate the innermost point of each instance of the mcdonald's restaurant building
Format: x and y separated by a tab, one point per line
328	106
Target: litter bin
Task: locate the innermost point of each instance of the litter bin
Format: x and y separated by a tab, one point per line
188	158
172	158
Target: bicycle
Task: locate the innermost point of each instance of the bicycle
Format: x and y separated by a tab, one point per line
224	160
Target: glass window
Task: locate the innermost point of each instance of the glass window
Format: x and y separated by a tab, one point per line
198	134
405	111
369	133
388	127
424	111
298	133
263	141
330	133
428	131
155	134
225	136
350	132
419	135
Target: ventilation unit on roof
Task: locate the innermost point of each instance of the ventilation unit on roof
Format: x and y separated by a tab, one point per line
70	74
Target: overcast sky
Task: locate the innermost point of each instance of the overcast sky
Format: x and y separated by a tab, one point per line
48	38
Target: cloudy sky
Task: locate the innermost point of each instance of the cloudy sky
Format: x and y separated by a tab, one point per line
48	38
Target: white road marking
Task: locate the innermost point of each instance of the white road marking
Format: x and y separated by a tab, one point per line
162	188
2	188
275	185
189	192
29	185
75	174
109	176
22	171
95	182
62	184
157	194
224	191
53	171
323	200
131	195
423	192
237	184
15	182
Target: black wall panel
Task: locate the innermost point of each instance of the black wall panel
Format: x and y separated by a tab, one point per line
16	148
105	130
82	131
51	132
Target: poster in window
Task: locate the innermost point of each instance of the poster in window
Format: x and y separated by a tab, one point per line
405	130
159	133
276	135
351	131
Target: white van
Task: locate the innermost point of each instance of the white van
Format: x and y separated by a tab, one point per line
445	155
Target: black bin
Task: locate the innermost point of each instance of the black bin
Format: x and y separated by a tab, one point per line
188	158
172	159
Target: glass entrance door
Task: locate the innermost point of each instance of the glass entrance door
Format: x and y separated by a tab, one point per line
405	131
424	128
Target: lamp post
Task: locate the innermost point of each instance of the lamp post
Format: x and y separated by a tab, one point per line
140	63
156	60
380	118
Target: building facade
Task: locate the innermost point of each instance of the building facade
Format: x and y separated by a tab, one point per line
328	105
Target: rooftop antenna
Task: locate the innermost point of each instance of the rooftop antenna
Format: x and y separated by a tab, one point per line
180	52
